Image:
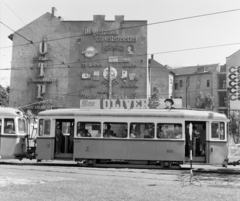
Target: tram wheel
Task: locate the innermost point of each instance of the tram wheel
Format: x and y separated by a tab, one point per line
90	162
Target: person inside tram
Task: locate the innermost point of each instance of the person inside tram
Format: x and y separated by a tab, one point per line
85	133
133	133
177	134
71	137
8	129
58	137
203	140
108	131
161	132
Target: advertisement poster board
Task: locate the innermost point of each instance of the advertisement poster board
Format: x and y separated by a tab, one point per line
233	84
131	104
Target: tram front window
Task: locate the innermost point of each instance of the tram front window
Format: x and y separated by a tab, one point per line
22	126
9	126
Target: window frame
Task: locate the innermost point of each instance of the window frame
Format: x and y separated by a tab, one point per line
219	136
42	126
14	126
78	136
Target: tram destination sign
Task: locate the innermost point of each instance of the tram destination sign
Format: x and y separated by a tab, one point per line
128	104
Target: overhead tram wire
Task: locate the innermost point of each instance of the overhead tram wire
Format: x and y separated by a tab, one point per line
105	59
149	24
69	94
30	42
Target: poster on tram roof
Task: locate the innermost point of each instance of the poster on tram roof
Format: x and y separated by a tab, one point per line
131	104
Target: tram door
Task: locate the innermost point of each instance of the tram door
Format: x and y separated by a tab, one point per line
198	141
64	135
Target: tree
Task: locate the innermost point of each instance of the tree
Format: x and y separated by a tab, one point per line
4	96
204	101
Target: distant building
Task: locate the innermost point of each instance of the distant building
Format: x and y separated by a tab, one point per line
66	61
161	80
208	79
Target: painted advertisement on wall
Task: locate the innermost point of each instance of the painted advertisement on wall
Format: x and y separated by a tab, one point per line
233	84
131	104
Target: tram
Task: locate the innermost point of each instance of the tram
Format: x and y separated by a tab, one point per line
135	136
13	131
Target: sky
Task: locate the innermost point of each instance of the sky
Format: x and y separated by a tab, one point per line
177	43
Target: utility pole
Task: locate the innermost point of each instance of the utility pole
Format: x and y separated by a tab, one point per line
187	86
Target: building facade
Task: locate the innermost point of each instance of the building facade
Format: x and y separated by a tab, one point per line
161	80
205	79
57	63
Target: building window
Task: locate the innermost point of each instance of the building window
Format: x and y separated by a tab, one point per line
180	83
176	85
208	83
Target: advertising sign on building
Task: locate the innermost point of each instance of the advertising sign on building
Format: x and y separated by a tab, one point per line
128	104
233	82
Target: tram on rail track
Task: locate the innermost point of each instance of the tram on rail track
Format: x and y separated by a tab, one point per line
14	134
135	137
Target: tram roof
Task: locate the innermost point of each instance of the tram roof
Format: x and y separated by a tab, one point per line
7	111
176	113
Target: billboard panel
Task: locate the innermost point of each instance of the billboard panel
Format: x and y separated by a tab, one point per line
131	104
233	84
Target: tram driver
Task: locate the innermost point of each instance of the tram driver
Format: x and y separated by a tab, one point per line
8	129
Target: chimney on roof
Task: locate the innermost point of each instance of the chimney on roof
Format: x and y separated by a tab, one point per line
54	10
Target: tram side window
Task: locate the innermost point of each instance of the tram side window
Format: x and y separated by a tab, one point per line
169	131
0	125
22	128
9	126
44	127
115	130
218	130
47	126
142	130
88	129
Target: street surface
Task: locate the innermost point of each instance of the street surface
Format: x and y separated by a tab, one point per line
71	182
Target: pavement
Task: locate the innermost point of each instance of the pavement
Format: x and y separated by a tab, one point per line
233	167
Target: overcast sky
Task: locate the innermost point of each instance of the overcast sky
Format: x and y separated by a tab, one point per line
212	30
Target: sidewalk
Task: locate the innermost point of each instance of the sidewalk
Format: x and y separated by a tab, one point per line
208	168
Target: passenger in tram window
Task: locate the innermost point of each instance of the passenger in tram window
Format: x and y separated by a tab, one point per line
146	131
107	132
161	132
58	137
151	130
203	139
124	135
86	133
99	133
177	134
132	132
221	132
8	129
